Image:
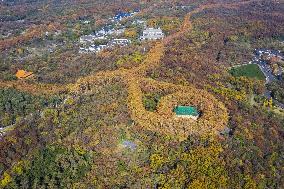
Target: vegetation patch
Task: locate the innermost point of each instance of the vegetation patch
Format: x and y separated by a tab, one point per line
128	61
53	166
14	103
151	101
277	90
250	70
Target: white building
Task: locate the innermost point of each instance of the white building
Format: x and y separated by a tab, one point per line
86	39
115	32
139	22
83	50
90	38
152	34
101	32
86	22
121	42
100	48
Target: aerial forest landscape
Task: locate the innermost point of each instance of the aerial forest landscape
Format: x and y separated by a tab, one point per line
128	94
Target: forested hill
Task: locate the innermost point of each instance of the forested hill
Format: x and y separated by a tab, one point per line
142	94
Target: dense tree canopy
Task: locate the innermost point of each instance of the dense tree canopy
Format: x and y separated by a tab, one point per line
106	120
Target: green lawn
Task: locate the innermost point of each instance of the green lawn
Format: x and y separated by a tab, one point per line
250	70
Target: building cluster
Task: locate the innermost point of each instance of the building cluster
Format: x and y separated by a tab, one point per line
121	15
111	43
269	53
108	36
102	34
272	59
88	42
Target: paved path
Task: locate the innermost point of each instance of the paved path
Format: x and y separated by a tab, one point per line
266	70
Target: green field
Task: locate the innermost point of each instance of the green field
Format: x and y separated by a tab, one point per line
250	70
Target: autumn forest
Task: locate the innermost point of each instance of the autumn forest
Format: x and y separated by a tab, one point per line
90	92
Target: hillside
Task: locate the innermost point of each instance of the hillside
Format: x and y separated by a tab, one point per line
97	109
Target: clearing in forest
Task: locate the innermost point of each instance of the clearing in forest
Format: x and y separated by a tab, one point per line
249	70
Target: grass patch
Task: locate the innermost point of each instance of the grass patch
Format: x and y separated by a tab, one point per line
250	70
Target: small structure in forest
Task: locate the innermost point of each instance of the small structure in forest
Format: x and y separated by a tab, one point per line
187	112
129	144
23	74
